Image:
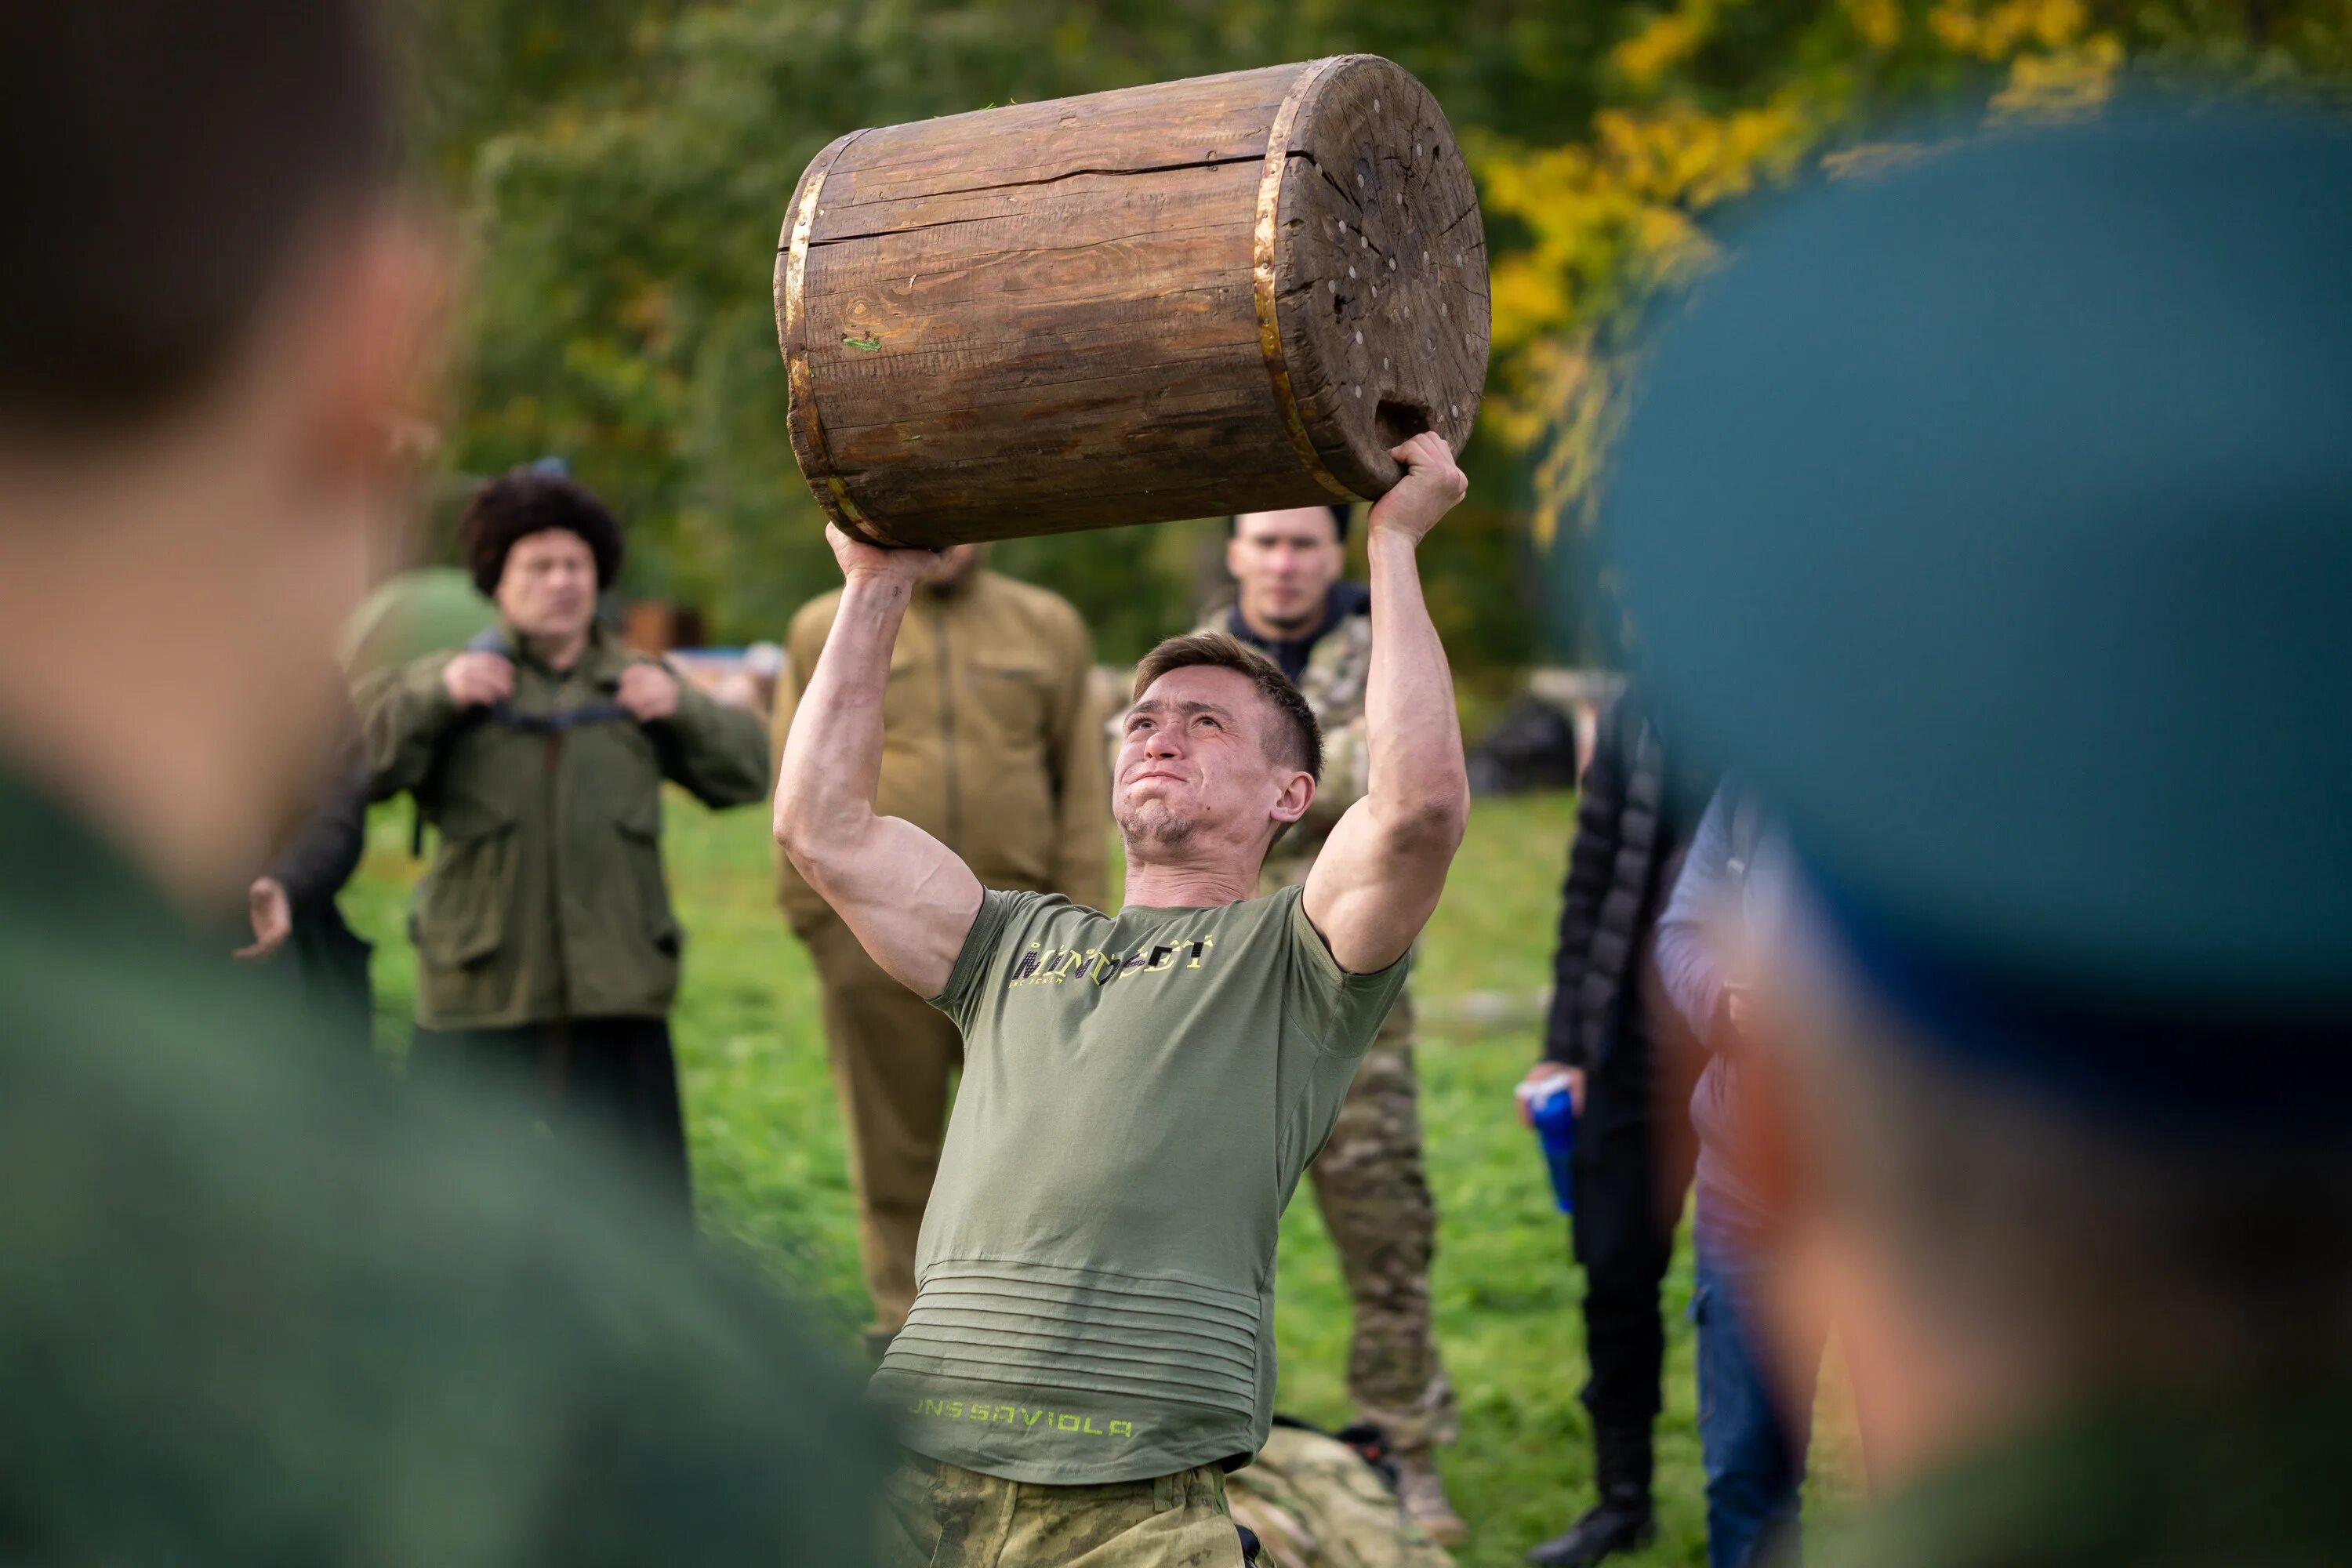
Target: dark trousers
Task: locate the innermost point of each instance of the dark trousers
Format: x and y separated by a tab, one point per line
1632	1169
612	1082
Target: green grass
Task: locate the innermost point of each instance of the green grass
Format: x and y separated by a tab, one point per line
768	1160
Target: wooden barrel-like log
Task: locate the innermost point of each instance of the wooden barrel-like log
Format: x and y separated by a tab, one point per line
1233	293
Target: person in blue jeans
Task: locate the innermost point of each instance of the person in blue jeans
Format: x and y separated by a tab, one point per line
1753	1428
2024	465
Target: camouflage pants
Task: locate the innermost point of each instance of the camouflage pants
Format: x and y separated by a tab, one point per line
1313	1503
1373	1190
942	1515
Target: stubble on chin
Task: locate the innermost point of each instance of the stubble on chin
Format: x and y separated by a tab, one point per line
1151	825
1298	626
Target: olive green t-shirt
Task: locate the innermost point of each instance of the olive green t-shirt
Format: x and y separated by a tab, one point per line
1095	1282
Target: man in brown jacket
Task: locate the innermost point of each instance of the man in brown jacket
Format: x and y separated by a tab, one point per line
991	745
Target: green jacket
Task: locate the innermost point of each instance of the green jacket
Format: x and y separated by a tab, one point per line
261	1304
2253	1481
545	899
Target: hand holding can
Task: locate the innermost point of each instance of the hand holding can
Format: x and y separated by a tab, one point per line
1551	1110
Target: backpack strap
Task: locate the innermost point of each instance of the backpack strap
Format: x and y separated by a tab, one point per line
494	640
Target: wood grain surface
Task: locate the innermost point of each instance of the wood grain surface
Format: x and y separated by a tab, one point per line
1224	294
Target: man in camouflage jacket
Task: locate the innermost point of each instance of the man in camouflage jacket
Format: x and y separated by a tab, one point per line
1294	606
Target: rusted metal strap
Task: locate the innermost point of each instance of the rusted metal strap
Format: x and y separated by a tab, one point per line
791	331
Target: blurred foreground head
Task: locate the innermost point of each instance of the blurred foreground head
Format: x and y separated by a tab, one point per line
210	311
257	1302
1995	517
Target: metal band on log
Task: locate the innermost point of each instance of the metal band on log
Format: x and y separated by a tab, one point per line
1225	294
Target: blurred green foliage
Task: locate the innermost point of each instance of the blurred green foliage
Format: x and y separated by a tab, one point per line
622	169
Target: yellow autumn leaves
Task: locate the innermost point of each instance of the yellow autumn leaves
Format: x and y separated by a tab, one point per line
1595	227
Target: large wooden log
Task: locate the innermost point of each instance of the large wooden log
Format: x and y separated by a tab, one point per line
1233	293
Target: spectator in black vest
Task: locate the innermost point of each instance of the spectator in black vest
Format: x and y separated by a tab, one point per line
1627	1067
299	931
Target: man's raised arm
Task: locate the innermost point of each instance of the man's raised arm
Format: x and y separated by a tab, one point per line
905	895
1377	880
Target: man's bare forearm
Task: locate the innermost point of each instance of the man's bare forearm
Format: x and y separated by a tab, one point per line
832	764
1415	778
1379	876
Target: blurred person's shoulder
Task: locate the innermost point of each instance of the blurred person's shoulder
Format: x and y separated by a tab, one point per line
804	635
423	668
1346	632
1338	666
2247	1479
1350	613
253	1291
1042	611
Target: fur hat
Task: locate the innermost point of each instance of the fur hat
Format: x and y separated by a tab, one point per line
525	502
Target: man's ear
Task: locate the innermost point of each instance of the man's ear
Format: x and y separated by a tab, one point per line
381	361
1298	795
1234	558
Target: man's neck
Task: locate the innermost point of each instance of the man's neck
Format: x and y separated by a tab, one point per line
558	654
128	664
1188	886
1284	631
953	587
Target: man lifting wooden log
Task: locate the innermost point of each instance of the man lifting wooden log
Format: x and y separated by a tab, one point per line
1091	1345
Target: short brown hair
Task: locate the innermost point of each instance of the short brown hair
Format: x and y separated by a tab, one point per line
1222	651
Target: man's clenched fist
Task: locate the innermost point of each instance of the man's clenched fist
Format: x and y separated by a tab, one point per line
858	559
648	691
273	920
479	679
1430	486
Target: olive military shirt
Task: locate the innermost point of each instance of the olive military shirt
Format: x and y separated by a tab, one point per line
262	1304
2254	1479
1095	1279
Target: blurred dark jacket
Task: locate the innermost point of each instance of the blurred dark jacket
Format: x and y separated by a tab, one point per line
1632	829
991	742
255	1310
326	961
545	899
